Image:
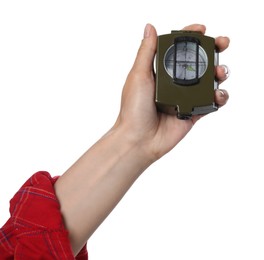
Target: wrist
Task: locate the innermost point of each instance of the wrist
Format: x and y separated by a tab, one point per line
130	147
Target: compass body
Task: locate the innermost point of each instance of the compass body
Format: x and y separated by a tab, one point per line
185	74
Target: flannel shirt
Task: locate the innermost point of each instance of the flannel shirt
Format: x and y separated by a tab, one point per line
35	229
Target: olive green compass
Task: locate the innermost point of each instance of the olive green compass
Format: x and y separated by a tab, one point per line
185	74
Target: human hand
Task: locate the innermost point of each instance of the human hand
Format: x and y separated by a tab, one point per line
97	181
157	133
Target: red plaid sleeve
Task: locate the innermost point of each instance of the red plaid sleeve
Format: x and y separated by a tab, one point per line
35	229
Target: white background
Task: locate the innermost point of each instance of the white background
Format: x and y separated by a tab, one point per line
62	68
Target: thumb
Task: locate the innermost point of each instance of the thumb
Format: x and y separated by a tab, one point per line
147	50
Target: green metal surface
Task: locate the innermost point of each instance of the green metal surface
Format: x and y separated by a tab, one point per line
181	100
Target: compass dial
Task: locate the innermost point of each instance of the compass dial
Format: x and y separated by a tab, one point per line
185	61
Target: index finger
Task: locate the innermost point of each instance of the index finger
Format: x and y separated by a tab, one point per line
221	42
195	27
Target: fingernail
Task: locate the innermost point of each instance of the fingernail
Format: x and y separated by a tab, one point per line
222	93
227	70
147	31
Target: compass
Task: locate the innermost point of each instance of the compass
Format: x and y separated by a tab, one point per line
185	74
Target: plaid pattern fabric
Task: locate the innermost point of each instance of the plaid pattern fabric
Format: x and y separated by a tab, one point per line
35	229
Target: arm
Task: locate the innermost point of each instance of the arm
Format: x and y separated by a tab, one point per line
92	187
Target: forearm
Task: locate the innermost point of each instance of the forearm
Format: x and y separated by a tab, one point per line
93	186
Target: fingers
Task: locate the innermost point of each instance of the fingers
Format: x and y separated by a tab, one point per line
221	97
222	73
222	43
195	27
147	50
